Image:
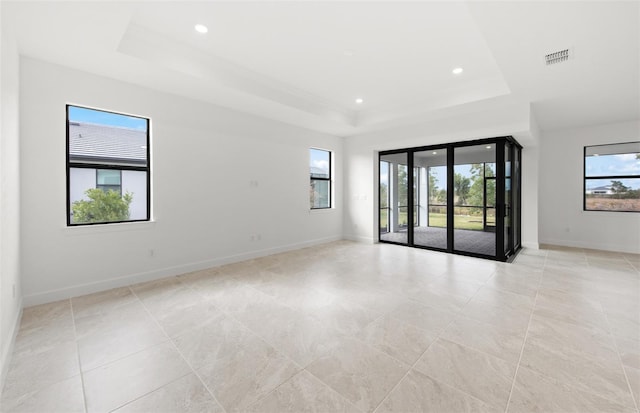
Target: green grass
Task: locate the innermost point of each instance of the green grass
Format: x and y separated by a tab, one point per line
472	222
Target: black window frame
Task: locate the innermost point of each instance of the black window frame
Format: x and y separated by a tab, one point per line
93	165
605	177
328	179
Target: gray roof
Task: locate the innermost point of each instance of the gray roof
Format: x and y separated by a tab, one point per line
90	142
318	172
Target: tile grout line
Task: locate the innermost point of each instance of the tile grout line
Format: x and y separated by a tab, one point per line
305	366
135	353
615	343
624	371
457	313
258	336
75	339
571	385
526	334
170	340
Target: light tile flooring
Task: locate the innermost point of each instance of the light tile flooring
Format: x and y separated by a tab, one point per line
345	327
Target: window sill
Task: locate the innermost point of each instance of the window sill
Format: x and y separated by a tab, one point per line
109	228
322	210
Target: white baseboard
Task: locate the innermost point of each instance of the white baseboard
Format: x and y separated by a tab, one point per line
5	357
589	245
89	288
358	238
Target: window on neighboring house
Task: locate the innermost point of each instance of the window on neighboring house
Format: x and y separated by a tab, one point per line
320	174
109	180
108	171
612	177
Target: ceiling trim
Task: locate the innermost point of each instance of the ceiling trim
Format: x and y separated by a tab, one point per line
179	57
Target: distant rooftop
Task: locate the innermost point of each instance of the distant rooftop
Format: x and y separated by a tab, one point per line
318	172
90	142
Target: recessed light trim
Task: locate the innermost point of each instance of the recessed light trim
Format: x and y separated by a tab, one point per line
201	28
457	70
359	101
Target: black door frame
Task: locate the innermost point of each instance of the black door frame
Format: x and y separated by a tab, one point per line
501	143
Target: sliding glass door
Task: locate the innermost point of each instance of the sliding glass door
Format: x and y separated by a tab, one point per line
394	198
430	228
464	197
473	174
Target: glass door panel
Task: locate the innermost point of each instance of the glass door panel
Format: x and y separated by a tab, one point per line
508	241
384	197
394	199
489	199
474	199
430	210
516	198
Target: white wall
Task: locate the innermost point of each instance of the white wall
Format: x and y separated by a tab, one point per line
135	182
218	177
10	303
361	163
562	220
80	180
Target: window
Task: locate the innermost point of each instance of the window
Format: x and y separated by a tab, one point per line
108	173
612	177
320	174
109	180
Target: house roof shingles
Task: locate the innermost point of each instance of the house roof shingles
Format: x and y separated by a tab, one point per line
90	142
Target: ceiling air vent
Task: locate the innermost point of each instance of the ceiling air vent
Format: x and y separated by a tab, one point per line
557	57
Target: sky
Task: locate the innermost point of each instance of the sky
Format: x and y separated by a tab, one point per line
319	159
612	165
78	114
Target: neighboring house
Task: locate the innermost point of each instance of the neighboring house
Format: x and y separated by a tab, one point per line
112	146
318	172
600	190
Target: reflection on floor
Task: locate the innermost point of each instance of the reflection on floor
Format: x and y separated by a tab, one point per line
478	242
344	327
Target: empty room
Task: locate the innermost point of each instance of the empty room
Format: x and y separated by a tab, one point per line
320	206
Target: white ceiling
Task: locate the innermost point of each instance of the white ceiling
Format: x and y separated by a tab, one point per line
305	62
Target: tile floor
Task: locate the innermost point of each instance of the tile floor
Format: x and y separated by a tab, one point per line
345	327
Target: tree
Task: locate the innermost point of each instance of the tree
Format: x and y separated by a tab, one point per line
384	195
617	187
476	192
403	184
434	191
461	185
102	206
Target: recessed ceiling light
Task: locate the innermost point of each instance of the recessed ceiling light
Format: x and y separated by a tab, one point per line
201	28
359	100
457	70
489	147
596	154
434	153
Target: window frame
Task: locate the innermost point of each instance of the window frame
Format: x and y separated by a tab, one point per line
329	180
603	177
91	165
